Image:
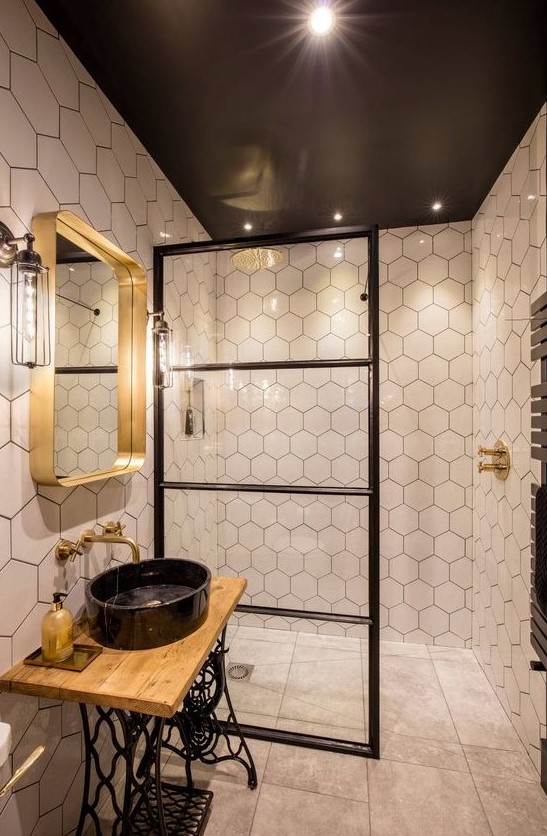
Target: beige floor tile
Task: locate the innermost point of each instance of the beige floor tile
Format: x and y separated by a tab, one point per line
321	641
325	692
411	800
513	808
313	653
412	700
500	763
477	713
328	773
336	732
232	809
417	651
266	634
442	754
287	812
458	655
256	652
262	693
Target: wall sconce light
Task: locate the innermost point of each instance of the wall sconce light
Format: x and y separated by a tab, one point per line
30	334
163	352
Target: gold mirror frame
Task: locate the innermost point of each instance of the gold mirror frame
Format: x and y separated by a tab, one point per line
132	320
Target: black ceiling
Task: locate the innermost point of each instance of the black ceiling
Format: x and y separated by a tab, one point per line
252	118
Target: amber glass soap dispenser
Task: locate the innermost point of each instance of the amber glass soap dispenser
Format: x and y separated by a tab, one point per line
57	631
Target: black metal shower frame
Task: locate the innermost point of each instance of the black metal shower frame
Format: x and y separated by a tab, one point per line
371	363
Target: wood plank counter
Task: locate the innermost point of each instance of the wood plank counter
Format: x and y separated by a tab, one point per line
149	681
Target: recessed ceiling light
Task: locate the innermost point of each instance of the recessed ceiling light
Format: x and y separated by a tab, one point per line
321	20
247	226
337	216
436	206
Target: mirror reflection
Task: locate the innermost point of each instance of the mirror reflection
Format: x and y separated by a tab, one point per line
86	362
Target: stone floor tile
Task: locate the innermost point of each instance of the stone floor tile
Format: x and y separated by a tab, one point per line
513	807
442	754
500	763
476	711
410	800
412	700
328	773
287	812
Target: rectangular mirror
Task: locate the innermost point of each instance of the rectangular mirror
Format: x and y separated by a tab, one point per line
88	417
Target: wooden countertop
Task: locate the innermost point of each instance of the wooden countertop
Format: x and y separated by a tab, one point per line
151	681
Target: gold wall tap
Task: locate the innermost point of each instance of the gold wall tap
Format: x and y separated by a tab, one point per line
501	460
112	533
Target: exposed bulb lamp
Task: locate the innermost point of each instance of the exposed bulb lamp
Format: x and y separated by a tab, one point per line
256	258
29	290
163	341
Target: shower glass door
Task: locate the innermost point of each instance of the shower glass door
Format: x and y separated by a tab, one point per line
267	467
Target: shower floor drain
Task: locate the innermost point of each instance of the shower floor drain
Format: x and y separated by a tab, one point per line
239	671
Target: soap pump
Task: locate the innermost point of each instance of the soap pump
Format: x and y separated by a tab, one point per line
57	631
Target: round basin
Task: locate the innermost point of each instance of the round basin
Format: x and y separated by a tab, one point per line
141	605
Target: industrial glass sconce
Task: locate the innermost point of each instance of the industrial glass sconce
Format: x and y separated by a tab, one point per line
30	334
163	342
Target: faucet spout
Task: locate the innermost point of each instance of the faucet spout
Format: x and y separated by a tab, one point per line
91	537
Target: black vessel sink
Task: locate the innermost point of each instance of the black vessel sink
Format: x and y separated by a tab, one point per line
141	605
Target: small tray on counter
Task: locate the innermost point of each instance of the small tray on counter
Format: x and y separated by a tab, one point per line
80	659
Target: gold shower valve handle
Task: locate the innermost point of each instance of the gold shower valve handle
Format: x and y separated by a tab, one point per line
491	451
500	463
111	527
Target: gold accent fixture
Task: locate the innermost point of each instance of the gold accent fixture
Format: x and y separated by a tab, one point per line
256	258
29	291
78	661
112	533
20	771
501	460
131	378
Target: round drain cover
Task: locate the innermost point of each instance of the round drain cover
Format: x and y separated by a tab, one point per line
239	671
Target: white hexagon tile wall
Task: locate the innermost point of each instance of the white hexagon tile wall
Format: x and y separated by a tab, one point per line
62	145
310	427
509	271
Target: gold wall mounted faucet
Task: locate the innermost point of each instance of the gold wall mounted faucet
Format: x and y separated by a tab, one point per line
112	533
501	460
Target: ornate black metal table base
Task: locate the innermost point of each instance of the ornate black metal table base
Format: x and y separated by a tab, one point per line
202	737
185	811
131	743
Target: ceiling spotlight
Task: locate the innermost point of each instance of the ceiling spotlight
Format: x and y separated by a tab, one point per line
321	20
247	226
436	206
337	216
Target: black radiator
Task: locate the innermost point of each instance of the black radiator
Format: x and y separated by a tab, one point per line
538	597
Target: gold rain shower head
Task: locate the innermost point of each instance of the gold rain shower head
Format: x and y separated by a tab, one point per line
256	258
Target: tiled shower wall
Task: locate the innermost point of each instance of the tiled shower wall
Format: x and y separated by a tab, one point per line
62	145
310	427
509	271
190	307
